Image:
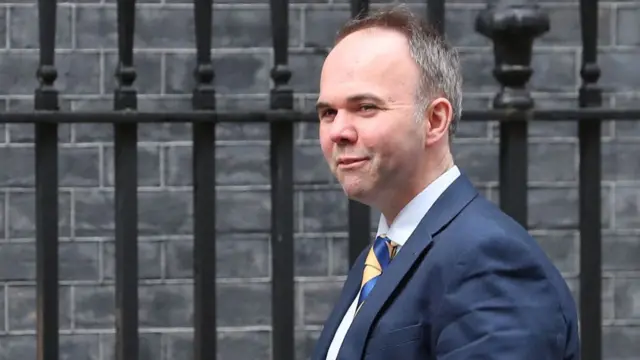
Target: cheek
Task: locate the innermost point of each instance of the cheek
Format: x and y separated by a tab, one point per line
327	147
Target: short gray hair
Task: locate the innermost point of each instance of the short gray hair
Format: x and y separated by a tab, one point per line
438	61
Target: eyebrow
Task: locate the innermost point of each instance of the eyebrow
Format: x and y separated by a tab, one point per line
352	99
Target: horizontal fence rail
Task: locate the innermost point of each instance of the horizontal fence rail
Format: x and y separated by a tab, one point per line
580	115
513	30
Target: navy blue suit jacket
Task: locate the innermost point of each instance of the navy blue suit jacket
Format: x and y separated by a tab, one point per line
470	283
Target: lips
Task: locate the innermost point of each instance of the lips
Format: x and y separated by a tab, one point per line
351	162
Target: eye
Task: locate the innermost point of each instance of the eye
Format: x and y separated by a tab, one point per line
367	107
327	112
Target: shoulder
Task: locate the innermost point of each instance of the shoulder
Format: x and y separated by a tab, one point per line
484	244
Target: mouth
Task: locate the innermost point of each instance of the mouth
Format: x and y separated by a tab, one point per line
351	163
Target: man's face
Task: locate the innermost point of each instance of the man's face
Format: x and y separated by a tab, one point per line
368	129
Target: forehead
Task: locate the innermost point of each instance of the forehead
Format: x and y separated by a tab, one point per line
372	60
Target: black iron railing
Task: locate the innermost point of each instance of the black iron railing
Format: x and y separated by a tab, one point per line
513	30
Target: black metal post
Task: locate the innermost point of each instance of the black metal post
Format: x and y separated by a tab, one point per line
436	15
359	213
46	153
204	191
590	195
282	210
513	26
126	191
359	8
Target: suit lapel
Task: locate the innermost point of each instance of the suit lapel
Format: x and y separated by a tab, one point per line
349	291
452	201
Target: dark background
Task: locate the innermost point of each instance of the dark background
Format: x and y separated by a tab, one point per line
164	41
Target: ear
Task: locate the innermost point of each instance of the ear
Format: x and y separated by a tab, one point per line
438	116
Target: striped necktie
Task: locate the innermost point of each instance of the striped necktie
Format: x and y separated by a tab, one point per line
380	255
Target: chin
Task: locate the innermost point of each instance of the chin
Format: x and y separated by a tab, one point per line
356	192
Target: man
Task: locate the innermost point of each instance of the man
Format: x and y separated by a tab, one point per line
449	276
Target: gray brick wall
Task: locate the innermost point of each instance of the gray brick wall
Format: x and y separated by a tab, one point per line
164	41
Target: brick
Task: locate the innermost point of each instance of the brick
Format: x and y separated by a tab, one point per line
166	305
27	36
79	261
627	295
476	67
473	129
22	307
170	27
620	74
235	165
78	73
627	207
79	346
244	304
557	208
3	313
553	162
149	263
562	248
305	343
72	346
619	162
239	73
22	216
305	72
18	347
478	160
339	256
231	345
76	166
3	27
565	25
626	129
242	211
148	165
17	261
310	166
250	251
621	342
3	216
311	256
150	346
94	307
628	26
607	295
324	211
620	252
94	215
148	70
318	301
327	18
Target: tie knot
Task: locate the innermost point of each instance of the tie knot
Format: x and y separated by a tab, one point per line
389	242
382	241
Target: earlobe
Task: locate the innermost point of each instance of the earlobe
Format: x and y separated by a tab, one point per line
438	115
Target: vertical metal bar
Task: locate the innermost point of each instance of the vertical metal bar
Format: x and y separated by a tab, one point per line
359	213
126	187
204	191
282	214
436	15
359	8
46	153
589	134
513	29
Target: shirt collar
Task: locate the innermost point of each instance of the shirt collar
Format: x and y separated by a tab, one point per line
411	215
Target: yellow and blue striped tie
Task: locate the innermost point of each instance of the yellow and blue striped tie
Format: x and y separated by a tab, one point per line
380	255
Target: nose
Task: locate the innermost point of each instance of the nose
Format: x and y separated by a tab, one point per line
342	131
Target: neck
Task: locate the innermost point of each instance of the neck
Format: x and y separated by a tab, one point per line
395	201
